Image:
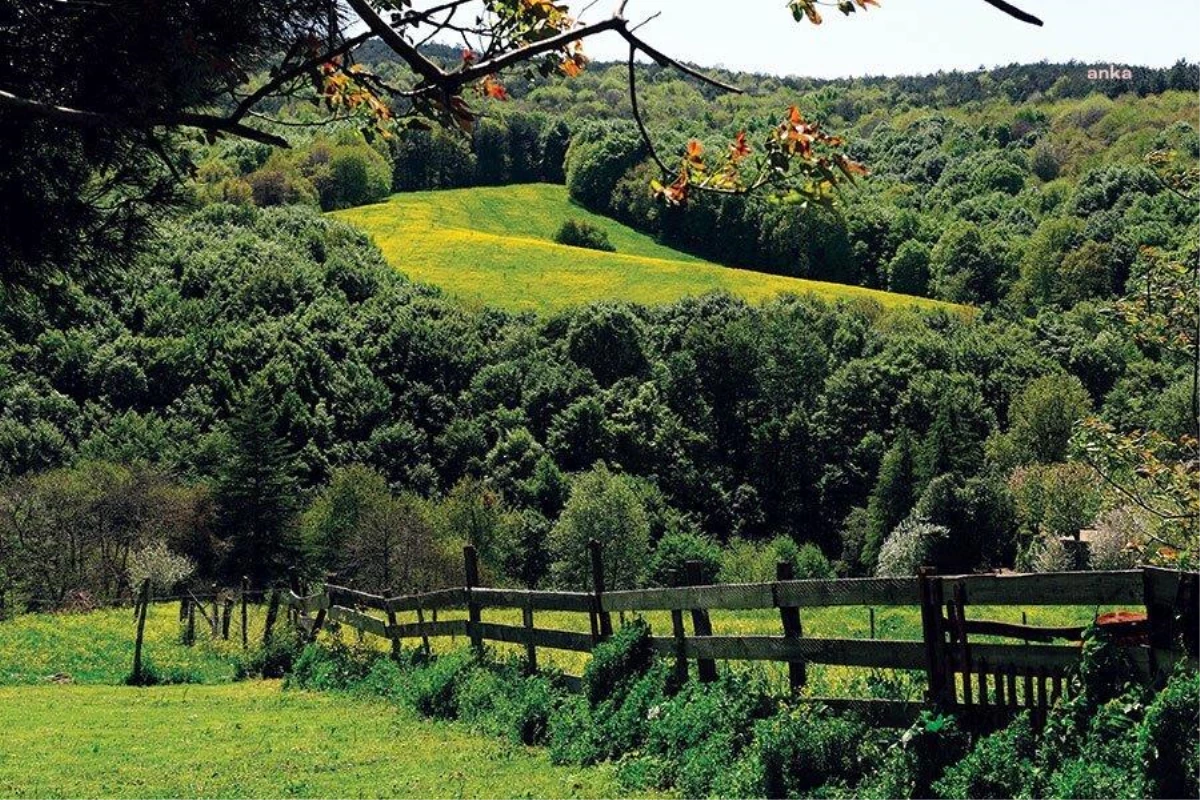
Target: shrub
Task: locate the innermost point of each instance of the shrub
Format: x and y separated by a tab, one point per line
336	666
617	663
432	689
811	563
580	233
998	766
498	700
163	567
909	547
1170	738
668	565
574	738
275	658
802	749
151	675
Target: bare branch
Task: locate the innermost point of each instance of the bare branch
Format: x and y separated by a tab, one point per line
1014	12
97	119
420	64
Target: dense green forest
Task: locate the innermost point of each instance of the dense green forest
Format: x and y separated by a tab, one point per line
257	389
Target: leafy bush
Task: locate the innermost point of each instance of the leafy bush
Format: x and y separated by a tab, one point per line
433	689
1170	738
909	547
580	233
498	700
334	666
1000	765
617	663
151	675
668	565
811	563
275	658
801	749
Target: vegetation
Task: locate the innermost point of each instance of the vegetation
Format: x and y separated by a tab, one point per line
583	234
252	740
437	237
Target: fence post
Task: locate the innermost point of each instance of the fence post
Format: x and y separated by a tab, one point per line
183	608
322	613
391	621
190	636
872	621
471	564
792	628
143	603
701	626
930	587
215	622
272	612
245	592
530	647
226	616
603	618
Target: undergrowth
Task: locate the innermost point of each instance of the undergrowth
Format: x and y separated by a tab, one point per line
735	737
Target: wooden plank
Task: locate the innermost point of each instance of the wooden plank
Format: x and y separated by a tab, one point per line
358	598
848	652
356	619
541	637
412	630
536	600
849	592
987	627
1025	656
1053	588
729	597
1168	583
442	598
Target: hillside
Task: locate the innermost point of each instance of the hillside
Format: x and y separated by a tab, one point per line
494	245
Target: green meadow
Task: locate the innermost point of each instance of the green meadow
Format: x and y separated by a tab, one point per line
495	246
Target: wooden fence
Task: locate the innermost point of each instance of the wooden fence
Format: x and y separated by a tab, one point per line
985	679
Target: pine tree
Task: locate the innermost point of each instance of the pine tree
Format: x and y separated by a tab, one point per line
256	494
894	495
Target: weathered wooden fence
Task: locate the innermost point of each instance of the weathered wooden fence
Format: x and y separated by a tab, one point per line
987	679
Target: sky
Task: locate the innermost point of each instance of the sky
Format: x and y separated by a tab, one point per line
908	36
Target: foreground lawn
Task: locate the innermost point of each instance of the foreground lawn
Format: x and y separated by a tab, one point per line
255	740
494	246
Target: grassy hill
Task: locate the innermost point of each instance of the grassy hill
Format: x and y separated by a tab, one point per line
495	246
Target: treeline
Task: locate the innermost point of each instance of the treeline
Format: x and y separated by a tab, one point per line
299	403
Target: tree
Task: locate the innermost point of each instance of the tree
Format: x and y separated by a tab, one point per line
256	493
908	271
105	88
964	268
604	506
895	493
1043	416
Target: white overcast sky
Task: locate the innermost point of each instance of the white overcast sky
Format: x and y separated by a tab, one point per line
908	36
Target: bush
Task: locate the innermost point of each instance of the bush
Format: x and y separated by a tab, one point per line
909	547
1000	765
334	667
811	563
1170	738
153	676
274	659
498	700
577	233
668	565
802	749
432	689
617	663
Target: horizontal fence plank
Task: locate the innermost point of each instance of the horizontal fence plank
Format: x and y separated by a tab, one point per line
537	600
788	594
849	592
846	652
356	619
442	598
1053	588
1167	583
314	602
347	596
987	627
736	596
541	637
411	630
1022	656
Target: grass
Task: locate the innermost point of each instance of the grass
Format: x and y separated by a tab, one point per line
494	246
97	647
254	740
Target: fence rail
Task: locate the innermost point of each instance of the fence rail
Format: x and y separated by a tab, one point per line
971	676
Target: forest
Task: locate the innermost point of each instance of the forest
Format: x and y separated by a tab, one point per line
259	391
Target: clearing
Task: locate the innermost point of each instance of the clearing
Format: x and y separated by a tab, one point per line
495	246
